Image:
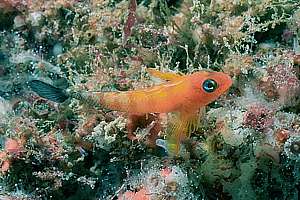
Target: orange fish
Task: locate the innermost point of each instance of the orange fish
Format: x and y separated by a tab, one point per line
182	94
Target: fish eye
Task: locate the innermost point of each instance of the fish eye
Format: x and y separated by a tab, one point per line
209	85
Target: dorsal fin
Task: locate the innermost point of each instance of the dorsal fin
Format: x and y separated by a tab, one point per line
167	76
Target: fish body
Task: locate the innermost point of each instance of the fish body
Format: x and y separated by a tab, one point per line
184	95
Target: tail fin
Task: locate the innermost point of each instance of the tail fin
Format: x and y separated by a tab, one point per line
48	91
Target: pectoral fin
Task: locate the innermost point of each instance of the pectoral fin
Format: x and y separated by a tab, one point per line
167	76
194	120
180	128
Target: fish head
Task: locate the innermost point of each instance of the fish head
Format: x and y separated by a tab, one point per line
207	86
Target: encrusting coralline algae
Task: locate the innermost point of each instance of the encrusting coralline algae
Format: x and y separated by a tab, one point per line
245	145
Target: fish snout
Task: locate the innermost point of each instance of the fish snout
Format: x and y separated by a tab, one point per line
225	81
228	80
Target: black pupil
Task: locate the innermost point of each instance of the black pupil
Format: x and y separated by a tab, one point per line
209	85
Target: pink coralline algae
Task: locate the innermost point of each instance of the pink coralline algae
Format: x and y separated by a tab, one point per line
12	147
281	83
140	195
258	117
11	4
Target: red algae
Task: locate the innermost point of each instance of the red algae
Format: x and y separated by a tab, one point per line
282	135
282	83
258	117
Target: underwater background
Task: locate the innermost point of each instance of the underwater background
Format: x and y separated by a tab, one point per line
246	145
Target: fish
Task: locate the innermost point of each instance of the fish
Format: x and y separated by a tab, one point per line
184	95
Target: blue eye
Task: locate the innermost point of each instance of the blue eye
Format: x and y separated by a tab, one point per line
209	85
